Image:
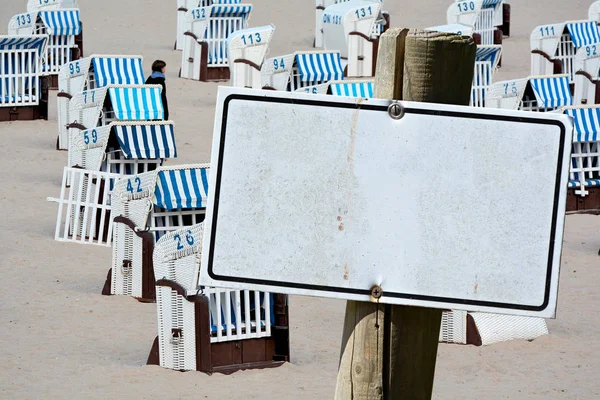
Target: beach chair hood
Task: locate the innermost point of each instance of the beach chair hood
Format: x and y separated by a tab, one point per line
136	140
546	38
118	70
359	89
61	22
182	187
319	66
37	42
552	91
136	102
491	53
586	122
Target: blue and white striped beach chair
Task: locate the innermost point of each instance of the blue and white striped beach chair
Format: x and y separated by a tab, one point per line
99	107
348	28
301	69
90	73
487	59
544	93
183	6
381	26
33	5
100	156
20	70
554	46
484	16
145	207
587	75
584	179
210	329
61	26
205	54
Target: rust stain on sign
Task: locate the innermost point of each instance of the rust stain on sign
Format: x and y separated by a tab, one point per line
346	272
352	144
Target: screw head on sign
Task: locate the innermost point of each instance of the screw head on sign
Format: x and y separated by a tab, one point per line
396	111
376	292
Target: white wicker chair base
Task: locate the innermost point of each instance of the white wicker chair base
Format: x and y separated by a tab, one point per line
484	329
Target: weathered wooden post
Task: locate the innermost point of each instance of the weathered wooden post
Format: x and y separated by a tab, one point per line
389	352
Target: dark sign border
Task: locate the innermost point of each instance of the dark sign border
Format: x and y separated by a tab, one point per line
367	292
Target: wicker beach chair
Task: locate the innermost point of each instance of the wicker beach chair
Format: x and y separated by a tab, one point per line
486	17
247	49
91	73
301	69
65	37
584	179
22	91
348	27
146	207
543	93
205	53
554	46
102	156
211	329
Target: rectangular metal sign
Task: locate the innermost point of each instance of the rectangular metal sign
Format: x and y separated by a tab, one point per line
447	207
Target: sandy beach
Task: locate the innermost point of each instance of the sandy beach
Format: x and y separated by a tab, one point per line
60	339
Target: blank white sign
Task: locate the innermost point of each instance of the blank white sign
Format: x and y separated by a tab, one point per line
448	207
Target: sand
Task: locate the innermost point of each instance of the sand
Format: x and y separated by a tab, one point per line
60	339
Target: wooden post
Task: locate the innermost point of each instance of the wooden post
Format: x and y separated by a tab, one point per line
389	352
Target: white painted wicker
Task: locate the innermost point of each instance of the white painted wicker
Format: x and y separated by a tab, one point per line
133	198
126	276
176	315
454	327
495	328
234	314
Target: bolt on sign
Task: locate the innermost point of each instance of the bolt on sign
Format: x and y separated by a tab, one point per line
398	202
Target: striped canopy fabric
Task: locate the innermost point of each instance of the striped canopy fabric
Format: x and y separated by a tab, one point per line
146	141
61	22
142	102
552	91
23	42
587	123
182	188
491	3
584	33
325	66
231	11
353	89
118	71
489	53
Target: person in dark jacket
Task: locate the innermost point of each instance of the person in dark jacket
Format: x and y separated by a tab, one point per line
158	78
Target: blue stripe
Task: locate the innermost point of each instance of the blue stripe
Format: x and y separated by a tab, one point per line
109	70
164	136
167	199
119	72
176	193
204	180
136	144
188	197
156	106
196	188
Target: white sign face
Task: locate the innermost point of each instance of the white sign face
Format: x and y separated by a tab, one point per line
448	207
